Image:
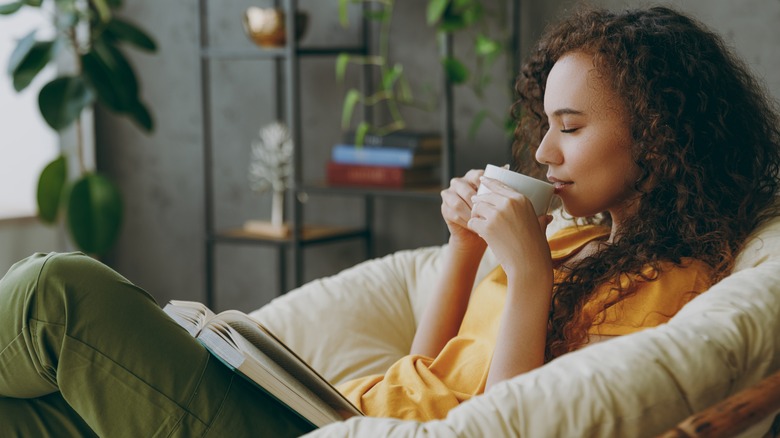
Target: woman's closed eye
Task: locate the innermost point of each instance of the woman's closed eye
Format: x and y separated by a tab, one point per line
569	130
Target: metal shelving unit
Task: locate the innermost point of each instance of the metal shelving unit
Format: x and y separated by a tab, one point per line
287	107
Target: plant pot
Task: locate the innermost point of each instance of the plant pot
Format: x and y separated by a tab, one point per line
266	26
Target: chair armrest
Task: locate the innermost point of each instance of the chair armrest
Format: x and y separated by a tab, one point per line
734	414
720	342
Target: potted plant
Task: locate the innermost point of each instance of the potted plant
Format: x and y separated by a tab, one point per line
92	36
448	17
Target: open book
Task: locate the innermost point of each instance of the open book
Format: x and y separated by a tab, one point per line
250	349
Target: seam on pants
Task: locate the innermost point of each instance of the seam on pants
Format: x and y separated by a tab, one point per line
18	335
187	410
34	291
221	406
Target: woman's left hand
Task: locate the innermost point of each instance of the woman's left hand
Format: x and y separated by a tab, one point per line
505	219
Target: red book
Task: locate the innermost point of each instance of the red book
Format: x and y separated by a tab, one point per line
340	174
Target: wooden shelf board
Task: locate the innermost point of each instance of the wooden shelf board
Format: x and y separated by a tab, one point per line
430	191
309	233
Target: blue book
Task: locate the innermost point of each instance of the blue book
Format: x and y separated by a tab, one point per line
383	156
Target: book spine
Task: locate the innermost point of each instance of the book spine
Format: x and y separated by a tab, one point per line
374	156
377	176
406	141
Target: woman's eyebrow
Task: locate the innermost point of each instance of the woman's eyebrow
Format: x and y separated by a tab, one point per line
567	111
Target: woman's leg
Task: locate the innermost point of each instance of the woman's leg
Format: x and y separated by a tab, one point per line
47	416
71	325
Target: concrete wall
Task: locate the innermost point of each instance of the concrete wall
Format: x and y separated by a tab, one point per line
161	175
21	237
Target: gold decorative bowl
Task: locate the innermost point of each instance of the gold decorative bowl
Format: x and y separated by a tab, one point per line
265	26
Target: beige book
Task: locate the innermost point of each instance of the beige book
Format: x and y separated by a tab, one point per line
247	347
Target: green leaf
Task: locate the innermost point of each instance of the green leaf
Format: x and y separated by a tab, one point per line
382	15
103	10
343	13
360	132
457	73
23	47
94	211
131	34
34	61
49	192
341	66
472	13
350	100
388	79
115	4
112	77
486	46
35	3
461	14
62	100
451	24
119	67
435	11
141	115
10	8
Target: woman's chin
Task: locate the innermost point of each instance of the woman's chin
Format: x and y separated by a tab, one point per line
578	212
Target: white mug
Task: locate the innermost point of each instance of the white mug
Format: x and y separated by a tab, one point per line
537	191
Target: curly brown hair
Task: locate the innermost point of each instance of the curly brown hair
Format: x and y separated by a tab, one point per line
705	137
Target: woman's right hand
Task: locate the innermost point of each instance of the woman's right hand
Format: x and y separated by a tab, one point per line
456	211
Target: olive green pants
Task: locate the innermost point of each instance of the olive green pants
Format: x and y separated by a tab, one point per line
84	352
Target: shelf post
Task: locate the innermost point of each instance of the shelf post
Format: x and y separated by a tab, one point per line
292	82
205	93
448	131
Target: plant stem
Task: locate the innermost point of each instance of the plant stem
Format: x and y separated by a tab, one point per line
384	52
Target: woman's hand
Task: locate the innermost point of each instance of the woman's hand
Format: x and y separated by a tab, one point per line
456	207
505	219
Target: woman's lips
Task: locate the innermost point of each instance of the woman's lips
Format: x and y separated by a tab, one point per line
559	185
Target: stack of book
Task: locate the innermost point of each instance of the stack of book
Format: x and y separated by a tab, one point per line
397	160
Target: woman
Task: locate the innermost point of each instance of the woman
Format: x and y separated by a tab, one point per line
671	159
654	147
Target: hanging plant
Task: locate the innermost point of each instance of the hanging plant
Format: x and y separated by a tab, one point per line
394	90
469	16
448	17
89	203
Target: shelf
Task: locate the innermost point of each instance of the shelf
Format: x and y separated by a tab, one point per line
310	234
422	192
275	53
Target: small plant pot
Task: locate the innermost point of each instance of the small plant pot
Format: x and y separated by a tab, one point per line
266	26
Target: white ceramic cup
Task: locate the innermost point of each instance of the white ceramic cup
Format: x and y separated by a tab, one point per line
537	191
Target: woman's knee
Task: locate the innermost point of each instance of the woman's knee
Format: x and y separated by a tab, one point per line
83	283
17	286
45	285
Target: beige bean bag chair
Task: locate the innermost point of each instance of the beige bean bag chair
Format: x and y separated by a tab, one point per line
361	320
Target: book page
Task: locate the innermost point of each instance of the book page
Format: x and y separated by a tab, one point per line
245	345
233	349
277	351
189	314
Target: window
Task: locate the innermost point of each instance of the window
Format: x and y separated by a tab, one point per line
27	143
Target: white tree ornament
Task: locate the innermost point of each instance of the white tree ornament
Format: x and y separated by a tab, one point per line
270	168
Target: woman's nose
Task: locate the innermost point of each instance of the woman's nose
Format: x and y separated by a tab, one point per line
547	152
